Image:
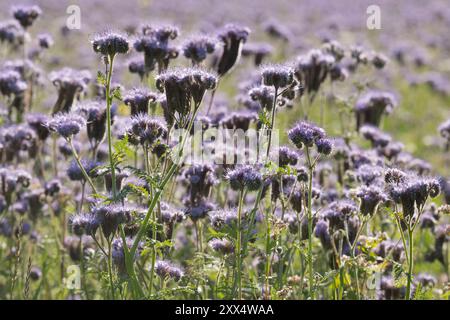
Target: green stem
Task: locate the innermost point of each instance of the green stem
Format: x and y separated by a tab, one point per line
152	270
111	282
108	122
310	226
77	158
411	264
272	121
238	245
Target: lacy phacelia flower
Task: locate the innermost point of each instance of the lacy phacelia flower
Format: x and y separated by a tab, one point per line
12	32
26	15
277	76
154	43
370	108
110	216
264	95
66	124
167	270
370	198
198	47
138	66
412	192
287	157
232	38
70	84
38	121
139	99
95	114
11	83
307	134
312	69
182	86
223	246
239	120
244	177
83	223
146	130
110	43
258	50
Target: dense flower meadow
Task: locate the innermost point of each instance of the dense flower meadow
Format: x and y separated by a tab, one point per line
348	198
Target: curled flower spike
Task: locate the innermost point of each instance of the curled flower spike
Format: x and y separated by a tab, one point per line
110	44
277	76
66	124
95	114
11	32
154	43
70	84
110	216
258	50
83	223
324	146
165	269
26	15
138	66
182	86
306	134
370	197
244	177
146	130
322	232
139	99
224	246
264	95
198	47
287	157
277	30
16	138
239	120
379	60
200	179
413	192
232	37
370	108
312	69
377	137
11	83
38	121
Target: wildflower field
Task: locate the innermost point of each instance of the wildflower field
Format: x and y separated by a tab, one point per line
224	150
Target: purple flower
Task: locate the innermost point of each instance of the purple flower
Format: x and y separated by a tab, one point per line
305	133
165	270
26	15
198	47
244	177
232	37
110	43
139	99
277	76
66	124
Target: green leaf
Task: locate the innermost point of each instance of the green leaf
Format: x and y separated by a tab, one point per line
264	118
122	150
101	78
117	94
